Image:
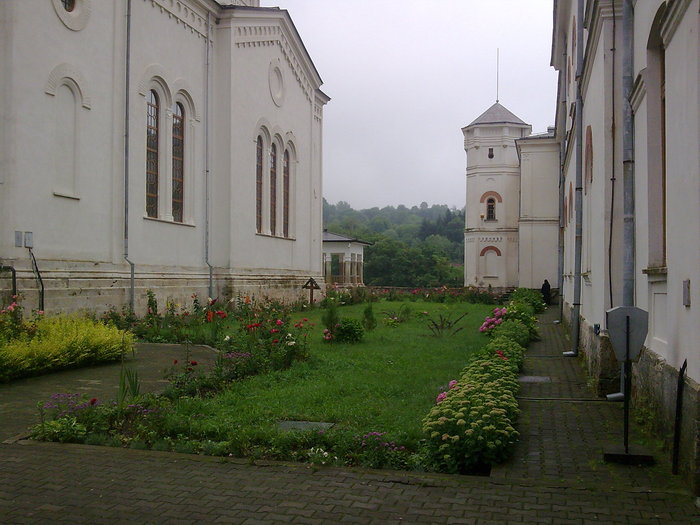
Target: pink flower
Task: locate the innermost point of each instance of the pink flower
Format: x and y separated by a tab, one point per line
441	397
452	384
274	331
280	322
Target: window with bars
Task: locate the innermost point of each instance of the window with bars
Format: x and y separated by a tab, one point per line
178	162
273	189
258	184
285	195
491	209
152	139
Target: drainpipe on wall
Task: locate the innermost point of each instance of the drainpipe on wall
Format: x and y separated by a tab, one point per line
560	268
628	153
576	321
206	160
126	155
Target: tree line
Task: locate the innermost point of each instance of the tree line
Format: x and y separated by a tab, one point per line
421	246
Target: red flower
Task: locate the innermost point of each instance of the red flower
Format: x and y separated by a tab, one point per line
221	314
274	331
193	363
93	401
275	341
174	361
210	316
189	369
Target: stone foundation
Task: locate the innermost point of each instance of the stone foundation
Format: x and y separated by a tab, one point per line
654	388
76	288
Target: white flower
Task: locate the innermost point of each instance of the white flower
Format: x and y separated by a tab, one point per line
291	343
227	338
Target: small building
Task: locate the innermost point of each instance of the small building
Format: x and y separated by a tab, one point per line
343	259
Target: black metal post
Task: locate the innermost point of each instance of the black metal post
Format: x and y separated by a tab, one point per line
679	417
628	383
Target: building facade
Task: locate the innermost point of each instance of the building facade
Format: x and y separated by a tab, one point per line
628	122
511	219
157	144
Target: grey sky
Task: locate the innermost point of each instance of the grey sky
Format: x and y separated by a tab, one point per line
406	75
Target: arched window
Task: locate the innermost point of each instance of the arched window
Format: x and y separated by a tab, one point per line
273	189
491	209
258	184
152	131
68	5
178	162
285	194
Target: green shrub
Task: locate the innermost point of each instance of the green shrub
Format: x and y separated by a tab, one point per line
530	297
524	313
349	331
62	342
510	349
514	330
369	321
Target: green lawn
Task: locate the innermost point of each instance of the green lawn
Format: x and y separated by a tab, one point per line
387	383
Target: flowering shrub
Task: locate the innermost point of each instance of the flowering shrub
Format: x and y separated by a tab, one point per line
471	424
524	313
514	330
530	297
493	321
318	456
375	451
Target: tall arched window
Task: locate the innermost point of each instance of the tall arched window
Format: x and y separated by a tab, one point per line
285	194
491	209
178	162
273	189
258	184
152	131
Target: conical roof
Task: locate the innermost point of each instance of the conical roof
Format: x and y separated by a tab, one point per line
497	114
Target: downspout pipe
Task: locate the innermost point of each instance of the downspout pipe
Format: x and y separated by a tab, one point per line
126	155
560	269
576	315
207	69
628	154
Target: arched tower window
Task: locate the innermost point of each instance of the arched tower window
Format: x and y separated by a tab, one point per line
178	193
273	189
258	184
491	209
152	139
285	194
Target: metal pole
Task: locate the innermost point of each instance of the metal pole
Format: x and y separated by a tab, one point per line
679	417
628	154
628	380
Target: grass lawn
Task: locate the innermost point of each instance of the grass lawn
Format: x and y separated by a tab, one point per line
387	383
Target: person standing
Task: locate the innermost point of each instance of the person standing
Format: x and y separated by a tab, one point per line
546	292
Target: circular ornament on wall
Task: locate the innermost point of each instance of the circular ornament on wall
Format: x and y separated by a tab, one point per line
275	80
73	13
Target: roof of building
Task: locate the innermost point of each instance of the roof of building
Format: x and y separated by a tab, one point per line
336	237
497	114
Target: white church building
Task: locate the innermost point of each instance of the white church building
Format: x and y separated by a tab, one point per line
171	145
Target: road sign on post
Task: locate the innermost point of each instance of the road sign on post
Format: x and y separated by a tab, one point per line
627	330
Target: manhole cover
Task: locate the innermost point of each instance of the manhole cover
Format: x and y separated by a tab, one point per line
288	426
535	379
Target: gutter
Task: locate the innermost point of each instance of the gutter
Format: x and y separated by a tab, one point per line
126	155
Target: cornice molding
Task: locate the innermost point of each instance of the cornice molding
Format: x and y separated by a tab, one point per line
182	13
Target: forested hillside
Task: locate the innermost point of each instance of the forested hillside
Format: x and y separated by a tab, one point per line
417	246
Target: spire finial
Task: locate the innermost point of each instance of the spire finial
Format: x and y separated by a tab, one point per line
498	53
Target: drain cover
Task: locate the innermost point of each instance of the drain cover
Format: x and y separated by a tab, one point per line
535	379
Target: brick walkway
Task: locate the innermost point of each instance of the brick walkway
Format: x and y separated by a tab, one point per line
556	475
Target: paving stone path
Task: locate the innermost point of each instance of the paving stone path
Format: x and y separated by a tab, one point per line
556	475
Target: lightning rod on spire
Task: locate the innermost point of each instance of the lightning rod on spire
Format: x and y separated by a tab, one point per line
498	53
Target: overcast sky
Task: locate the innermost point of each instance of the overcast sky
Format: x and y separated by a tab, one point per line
405	76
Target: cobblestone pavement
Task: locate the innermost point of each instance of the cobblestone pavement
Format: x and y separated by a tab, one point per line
556	475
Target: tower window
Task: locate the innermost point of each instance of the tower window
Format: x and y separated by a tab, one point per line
68	5
490	153
491	209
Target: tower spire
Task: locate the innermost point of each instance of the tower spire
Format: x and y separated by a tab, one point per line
498	53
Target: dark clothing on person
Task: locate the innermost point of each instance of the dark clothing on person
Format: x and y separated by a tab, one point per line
546	292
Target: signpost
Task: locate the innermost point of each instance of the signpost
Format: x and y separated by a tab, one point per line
627	329
311	285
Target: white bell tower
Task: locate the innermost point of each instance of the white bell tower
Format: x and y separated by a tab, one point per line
493	195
